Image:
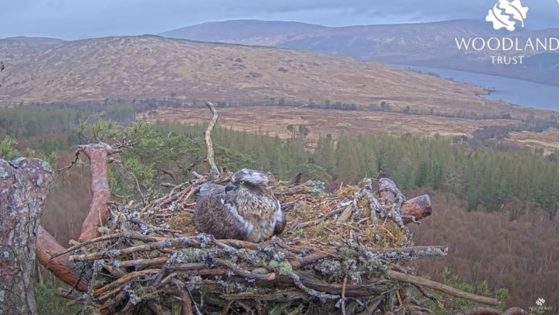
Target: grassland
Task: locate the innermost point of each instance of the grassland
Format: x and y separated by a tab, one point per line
275	120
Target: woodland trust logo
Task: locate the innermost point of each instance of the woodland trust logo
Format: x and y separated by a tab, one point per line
541	307
507	50
506	14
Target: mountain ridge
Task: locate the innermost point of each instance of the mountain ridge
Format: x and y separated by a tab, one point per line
419	44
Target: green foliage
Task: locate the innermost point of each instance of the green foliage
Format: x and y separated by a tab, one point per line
8	150
49	303
34	121
488	178
169	152
104	130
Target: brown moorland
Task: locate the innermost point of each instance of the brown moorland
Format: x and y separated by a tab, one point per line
144	67
276	120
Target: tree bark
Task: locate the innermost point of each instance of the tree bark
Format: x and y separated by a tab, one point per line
23	188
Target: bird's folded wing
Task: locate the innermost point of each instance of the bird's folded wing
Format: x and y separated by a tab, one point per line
214	216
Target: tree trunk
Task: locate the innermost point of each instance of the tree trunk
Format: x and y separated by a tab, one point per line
49	250
23	188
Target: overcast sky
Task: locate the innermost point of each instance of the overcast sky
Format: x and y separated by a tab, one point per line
72	19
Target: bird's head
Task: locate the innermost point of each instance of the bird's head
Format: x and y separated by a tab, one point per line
251	179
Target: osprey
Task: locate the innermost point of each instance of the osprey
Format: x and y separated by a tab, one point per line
244	209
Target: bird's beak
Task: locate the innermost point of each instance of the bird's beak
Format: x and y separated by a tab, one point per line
230	186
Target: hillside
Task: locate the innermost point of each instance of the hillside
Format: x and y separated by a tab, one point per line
421	44
146	67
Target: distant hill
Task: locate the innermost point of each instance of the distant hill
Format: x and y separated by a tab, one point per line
249	32
145	67
421	44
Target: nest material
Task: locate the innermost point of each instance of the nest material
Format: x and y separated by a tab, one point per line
334	256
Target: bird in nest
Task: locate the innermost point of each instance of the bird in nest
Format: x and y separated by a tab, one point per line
245	209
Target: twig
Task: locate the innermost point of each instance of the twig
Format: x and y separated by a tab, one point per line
245	273
138	188
343	295
168	243
282	296
141	263
130	235
123	280
185	298
214	171
323	297
74	162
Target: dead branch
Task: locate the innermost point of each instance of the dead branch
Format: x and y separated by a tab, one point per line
441	287
214	171
128	235
123	280
60	266
98	155
186	241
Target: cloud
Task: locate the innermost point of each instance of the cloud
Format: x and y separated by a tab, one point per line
91	18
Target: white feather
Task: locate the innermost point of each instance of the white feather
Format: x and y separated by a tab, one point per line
278	215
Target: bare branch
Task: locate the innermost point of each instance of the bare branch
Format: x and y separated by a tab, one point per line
214	171
441	287
98	155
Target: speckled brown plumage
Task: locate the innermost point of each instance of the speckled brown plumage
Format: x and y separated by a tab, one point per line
244	209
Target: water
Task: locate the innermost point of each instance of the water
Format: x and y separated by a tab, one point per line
514	91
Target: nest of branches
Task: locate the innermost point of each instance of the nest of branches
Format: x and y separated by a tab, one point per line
340	252
346	251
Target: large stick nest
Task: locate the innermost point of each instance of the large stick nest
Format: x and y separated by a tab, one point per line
341	252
